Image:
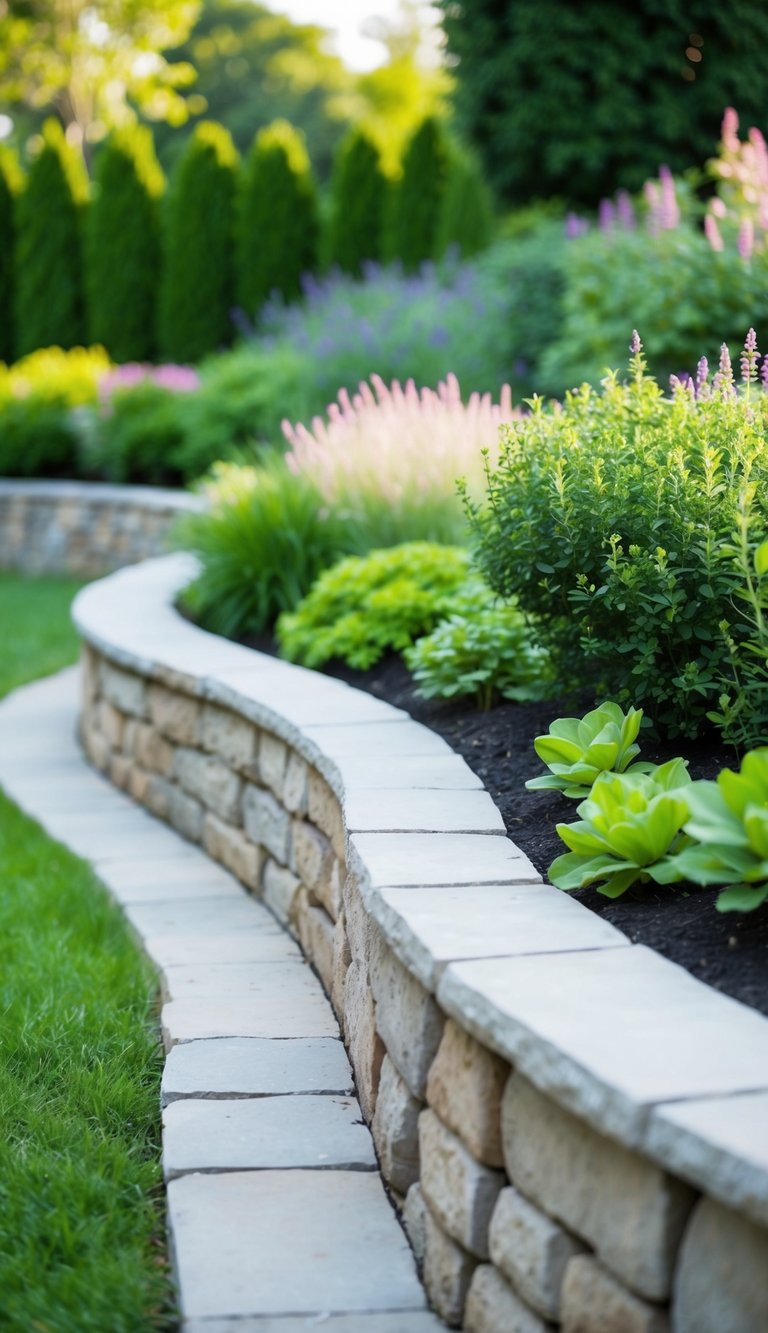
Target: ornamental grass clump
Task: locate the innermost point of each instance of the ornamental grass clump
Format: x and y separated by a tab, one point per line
389	456
627	523
728	823
629	827
577	750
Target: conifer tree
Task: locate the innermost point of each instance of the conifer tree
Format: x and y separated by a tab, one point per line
48	287
198	279
10	184
122	245
466	212
277	221
359	191
419	195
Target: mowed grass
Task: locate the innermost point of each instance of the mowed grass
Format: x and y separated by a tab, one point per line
81	1200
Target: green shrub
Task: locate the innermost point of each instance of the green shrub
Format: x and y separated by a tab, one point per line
39	430
198	282
617	520
365	606
49	304
527	267
359	196
465	220
122	245
418	198
277	229
135	437
263	543
10	185
483	649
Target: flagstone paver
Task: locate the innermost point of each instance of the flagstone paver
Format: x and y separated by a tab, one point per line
257	1079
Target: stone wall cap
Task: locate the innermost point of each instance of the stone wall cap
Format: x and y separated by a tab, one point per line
98	492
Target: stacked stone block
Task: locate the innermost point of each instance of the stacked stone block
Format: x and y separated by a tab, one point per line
523	1216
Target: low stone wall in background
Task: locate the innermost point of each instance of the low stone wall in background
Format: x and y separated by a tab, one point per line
82	528
525	1215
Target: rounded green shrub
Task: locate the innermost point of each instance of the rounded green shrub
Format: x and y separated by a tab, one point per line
418	199
465	220
277	234
10	184
122	245
198	281
359	193
49	306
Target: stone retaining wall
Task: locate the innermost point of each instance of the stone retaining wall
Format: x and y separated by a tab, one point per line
82	528
573	1128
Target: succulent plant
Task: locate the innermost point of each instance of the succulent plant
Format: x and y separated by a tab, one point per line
577	750
729	825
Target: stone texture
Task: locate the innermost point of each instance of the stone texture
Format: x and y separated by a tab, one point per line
96	747
233	849
360	928
594	1302
110	722
418	1322
256	1067
414	1220
447	1271
531	1251
346	1250
186	814
408	1020
394	738
493	1307
211	781
279	888
120	771
630	1210
395	1129
643	1031
263	1133
273	760
176	715
341	961
461	1193
138	784
325	812
312	858
123	689
440	772
230	737
719	1144
413	810
205	918
465	1086
366	1049
316	932
267	823
413	860
250	1015
721	1284
296	784
152	750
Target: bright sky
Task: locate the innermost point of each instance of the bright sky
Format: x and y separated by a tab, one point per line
345	18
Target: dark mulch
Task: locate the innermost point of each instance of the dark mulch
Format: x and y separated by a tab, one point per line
727	950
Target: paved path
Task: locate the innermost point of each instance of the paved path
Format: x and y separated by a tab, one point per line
278	1217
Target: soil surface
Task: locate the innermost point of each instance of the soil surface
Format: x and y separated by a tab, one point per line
727	950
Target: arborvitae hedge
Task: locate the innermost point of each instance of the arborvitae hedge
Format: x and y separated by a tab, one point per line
10	183
122	246
359	193
465	221
48	301
419	196
198	286
277	221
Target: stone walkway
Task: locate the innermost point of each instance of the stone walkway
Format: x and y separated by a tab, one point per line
278	1217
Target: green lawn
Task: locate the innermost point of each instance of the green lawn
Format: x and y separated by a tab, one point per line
81	1203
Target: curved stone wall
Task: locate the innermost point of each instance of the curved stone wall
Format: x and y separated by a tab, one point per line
573	1127
84	528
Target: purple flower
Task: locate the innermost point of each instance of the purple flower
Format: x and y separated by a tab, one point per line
702	374
723	381
749	358
606	215
575	226
624	210
635	345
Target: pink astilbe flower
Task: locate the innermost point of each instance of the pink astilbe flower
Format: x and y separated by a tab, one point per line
398	441
712	233
178	379
669	209
746	240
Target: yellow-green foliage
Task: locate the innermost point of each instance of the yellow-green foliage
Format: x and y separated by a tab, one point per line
38	434
49	306
277	223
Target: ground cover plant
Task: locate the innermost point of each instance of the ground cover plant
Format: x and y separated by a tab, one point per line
81	1214
628	524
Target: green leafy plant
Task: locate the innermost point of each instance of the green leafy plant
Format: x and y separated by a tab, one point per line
367	605
728	821
40	400
483	649
629	828
577	750
277	227
261	545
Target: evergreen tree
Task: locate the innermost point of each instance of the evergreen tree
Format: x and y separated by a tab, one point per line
122	246
10	184
48	290
277	223
198	279
359	191
466	212
419	196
